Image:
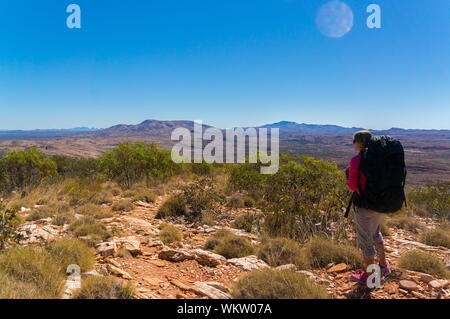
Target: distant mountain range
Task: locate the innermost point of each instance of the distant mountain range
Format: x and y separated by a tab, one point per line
427	151
164	129
42	133
335	130
160	128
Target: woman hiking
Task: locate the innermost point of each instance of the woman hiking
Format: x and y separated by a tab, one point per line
367	222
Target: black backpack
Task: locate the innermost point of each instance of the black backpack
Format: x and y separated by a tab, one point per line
383	165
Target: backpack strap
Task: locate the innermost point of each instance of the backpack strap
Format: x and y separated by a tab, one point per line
349	206
403	187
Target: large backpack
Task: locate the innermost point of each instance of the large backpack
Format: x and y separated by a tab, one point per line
383	165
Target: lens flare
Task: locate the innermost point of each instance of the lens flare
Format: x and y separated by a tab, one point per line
334	19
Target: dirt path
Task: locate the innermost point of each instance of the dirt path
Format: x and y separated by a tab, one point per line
157	278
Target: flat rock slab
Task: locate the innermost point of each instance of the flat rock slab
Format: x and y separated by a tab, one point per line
248	263
204	289
438	284
175	255
119	272
408	285
338	268
131	244
106	249
208	258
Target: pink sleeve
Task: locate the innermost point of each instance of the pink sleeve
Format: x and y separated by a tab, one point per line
353	176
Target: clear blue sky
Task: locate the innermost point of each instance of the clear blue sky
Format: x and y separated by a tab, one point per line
228	63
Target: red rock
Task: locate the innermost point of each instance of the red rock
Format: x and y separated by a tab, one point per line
408	285
338	268
438	284
418	295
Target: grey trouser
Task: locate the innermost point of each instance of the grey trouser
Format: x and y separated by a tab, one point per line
368	230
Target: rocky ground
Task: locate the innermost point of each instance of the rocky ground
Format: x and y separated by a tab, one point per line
185	270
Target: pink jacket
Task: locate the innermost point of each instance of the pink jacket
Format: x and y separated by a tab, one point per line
356	180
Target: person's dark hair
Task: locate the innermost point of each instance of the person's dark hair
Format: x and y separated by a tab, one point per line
362	137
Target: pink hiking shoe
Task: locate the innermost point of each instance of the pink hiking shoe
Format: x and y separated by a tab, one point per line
361	278
385	271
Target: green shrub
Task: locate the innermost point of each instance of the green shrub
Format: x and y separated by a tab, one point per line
108	287
62	208
123	206
277	284
102	198
282	251
436	237
304	198
12	288
63	219
235	201
432	200
129	163
116	191
202	194
246	222
88	226
321	252
145	195
93	211
405	222
247	177
173	206
80	191
169	234
227	244
85	220
202	168
208	217
9	224
72	251
34	269
25	168
420	261
41	213
249	201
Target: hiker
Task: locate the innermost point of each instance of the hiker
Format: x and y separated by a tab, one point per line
367	222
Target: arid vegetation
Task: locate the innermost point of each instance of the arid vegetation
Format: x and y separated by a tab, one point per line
134	207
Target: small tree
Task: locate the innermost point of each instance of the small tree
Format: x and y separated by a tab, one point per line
129	163
303	197
432	200
25	168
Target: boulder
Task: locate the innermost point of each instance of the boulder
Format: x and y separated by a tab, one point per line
418	295
106	249
218	285
175	255
408	285
438	284
426	277
132	244
208	258
119	272
155	242
204	289
248	263
338	268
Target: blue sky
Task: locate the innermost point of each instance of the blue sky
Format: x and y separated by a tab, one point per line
228	63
